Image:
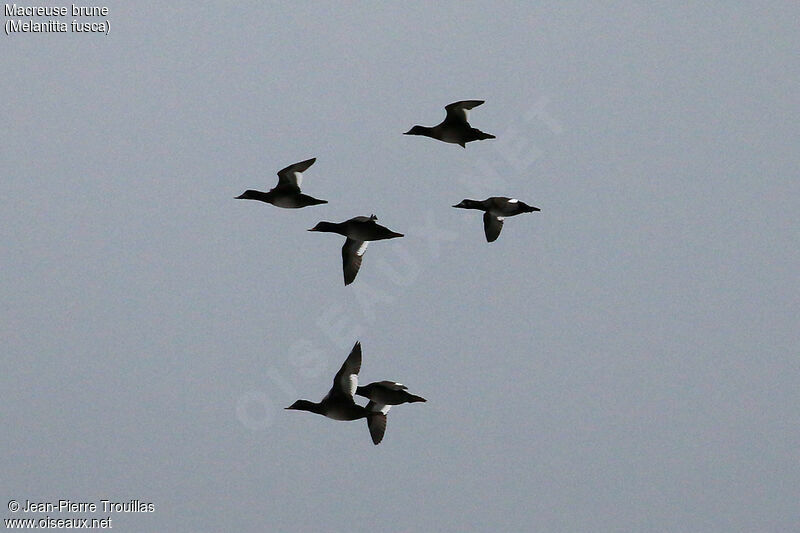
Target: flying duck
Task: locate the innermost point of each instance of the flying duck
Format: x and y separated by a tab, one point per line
287	192
455	127
338	404
497	208
358	231
382	396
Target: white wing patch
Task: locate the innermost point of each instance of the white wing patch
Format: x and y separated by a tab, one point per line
513	200
378	407
362	248
298	178
350	383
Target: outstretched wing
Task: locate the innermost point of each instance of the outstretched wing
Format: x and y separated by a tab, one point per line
492	226
377	422
459	111
352	252
346	380
292	175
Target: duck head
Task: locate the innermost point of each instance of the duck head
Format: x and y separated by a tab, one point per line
468	204
249	194
303	405
324	226
418	130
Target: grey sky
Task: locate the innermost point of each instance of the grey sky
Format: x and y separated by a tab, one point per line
624	360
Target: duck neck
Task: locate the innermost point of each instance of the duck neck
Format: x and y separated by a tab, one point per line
250	194
420	130
329	227
471	204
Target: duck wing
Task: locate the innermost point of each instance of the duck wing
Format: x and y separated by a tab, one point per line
346	380
377	422
352	252
492	226
458	112
377	427
292	176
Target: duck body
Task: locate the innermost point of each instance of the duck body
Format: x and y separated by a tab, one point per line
282	197
359	231
358	228
388	393
455	127
286	193
499	206
496	208
333	407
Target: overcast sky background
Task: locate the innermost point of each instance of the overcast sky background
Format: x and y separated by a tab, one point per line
624	360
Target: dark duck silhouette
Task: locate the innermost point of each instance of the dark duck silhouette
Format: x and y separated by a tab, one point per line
358	230
496	209
338	404
383	395
286	193
455	127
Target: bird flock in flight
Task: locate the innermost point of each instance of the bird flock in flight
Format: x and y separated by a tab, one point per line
339	403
